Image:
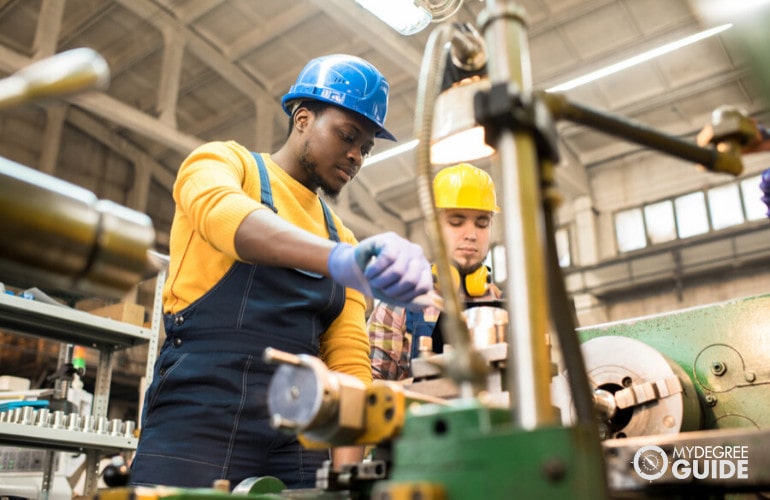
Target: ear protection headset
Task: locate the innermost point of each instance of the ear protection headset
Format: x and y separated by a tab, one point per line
474	284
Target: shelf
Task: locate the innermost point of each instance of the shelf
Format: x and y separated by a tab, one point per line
64	324
62	439
71	326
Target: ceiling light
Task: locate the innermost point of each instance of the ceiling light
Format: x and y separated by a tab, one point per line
456	135
638	59
389	153
405	16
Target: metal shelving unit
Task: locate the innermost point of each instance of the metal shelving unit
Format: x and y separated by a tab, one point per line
66	325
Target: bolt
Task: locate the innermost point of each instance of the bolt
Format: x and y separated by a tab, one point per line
554	469
718	368
278	422
750	376
711	400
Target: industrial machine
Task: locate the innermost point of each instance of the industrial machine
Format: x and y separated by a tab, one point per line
668	406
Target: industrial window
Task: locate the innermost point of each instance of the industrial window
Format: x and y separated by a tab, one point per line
690	214
629	230
752	199
563	247
725	206
661	225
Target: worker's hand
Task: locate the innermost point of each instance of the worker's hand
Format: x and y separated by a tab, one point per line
764	185
385	266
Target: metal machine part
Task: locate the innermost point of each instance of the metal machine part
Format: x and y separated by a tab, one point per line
305	397
486	325
55	76
730	128
638	391
328	408
60	236
56	234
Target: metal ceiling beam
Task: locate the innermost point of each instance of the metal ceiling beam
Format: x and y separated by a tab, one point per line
203	49
48	27
131	118
190	11
120	145
277	27
170	75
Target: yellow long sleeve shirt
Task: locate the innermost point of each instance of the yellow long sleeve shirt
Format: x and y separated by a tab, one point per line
217	186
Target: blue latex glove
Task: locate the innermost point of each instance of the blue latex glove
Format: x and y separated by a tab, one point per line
764	185
385	266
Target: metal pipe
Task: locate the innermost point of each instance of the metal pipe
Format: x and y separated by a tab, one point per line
468	368
502	24
712	159
58	235
56	76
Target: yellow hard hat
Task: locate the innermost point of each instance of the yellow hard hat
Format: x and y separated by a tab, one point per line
464	186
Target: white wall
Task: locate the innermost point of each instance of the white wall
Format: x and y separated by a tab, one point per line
647	177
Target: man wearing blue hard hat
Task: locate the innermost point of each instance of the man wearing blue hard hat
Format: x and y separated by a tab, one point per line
259	260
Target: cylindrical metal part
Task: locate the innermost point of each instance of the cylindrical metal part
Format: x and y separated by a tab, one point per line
505	33
43	417
58	421
129	426
103	425
73	421
27	415
302	397
61	236
486	325
604	402
425	347
275	356
638	133
87	423
15	417
116	427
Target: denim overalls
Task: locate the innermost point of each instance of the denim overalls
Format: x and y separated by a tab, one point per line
205	415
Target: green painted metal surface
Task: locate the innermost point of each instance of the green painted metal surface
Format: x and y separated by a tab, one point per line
475	453
724	348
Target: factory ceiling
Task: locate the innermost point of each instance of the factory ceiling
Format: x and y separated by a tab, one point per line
188	71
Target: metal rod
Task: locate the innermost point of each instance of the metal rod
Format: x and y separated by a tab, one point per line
528	361
712	159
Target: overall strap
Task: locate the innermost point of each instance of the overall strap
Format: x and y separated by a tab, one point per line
264	183
267	198
330	226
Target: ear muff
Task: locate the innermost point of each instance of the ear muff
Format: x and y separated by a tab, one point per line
452	269
474	284
477	282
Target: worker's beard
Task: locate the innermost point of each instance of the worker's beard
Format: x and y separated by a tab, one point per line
309	166
469	269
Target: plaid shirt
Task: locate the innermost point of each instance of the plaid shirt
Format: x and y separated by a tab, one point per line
391	343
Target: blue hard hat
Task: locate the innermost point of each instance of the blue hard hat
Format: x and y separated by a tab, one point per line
346	81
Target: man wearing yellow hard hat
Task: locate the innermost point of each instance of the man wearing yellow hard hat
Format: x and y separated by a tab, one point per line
465	198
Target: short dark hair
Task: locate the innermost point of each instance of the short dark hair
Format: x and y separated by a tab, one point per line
315	107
